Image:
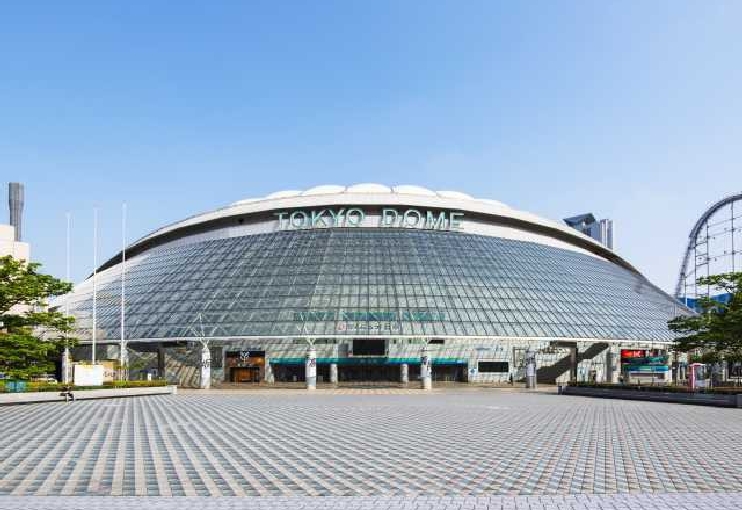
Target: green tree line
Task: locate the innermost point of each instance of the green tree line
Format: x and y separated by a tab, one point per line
715	332
31	336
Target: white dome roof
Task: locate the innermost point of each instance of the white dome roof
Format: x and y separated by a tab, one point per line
323	190
373	194
454	194
284	194
411	189
368	188
246	201
371	188
496	203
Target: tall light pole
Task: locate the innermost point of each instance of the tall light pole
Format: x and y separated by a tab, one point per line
95	283
123	355
66	368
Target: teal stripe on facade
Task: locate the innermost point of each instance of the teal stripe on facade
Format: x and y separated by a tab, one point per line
368	361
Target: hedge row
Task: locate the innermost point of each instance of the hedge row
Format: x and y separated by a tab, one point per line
657	388
32	386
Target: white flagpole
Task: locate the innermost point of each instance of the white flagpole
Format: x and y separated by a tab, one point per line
67	273
95	282
66	369
122	348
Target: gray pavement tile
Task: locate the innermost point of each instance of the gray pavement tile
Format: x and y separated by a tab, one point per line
401	445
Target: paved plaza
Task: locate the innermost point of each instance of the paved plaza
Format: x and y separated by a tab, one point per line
475	448
573	502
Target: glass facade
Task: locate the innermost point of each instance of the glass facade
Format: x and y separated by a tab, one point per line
379	283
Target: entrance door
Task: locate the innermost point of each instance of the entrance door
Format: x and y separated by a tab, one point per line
244	365
368	374
245	374
288	373
448	373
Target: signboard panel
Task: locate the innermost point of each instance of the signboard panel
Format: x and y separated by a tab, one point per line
353	217
245	357
633	353
109	370
89	375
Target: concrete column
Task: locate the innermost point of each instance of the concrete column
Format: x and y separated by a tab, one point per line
161	361
531	369
334	366
471	371
611	374
404	373
124	362
310	369
269	378
426	370
66	366
205	382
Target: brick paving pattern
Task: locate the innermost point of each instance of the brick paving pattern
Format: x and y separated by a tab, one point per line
570	502
378	449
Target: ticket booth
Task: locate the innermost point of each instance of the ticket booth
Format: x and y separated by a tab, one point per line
645	366
699	376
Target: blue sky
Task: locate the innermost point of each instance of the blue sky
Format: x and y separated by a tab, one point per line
631	110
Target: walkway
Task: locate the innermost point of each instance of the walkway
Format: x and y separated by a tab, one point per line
395	444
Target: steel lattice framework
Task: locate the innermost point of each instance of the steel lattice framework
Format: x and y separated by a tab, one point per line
714	247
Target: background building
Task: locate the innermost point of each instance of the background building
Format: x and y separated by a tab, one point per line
370	276
601	231
11	234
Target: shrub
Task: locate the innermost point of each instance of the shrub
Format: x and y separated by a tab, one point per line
32	386
135	384
657	388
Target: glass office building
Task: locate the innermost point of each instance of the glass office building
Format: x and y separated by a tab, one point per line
370	275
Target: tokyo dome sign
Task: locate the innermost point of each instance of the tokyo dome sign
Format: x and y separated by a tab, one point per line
357	217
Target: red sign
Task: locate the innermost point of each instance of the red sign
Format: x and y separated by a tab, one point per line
633	353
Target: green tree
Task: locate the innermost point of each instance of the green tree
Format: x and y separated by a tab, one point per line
25	319
716	331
